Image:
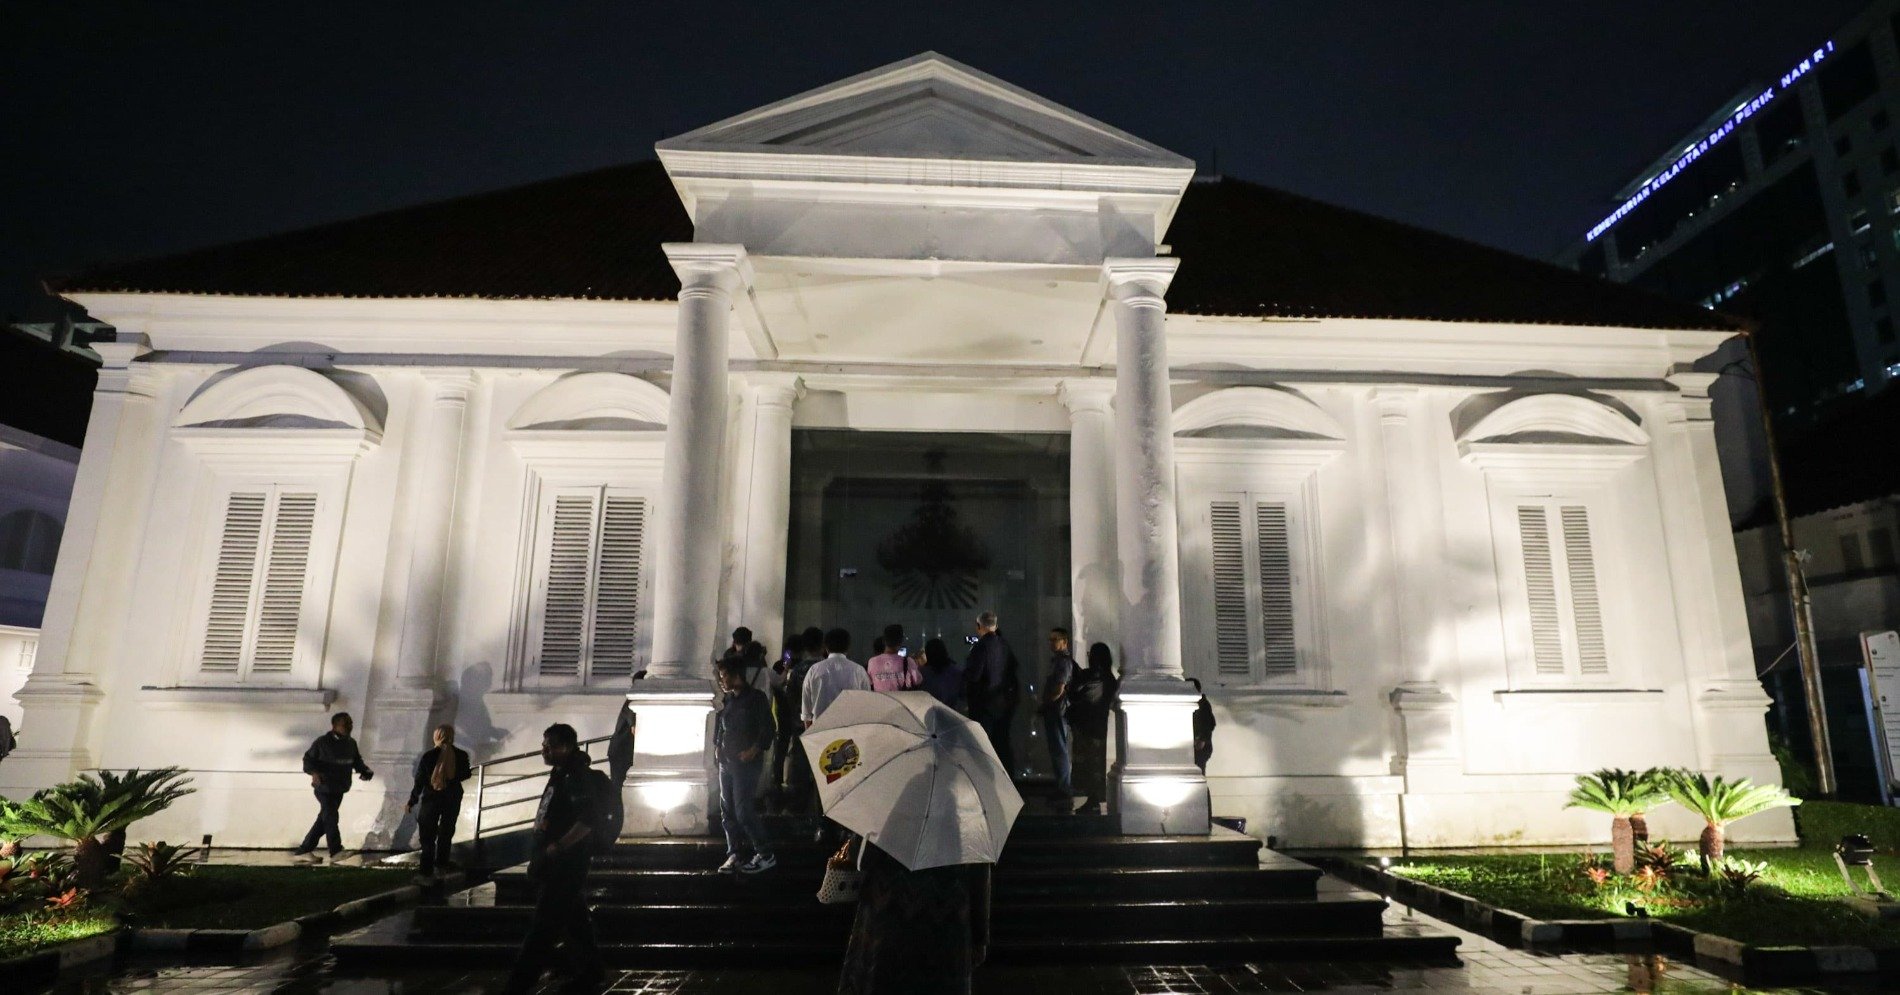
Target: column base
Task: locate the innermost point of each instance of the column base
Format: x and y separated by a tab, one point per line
57	711
1158	788
669	790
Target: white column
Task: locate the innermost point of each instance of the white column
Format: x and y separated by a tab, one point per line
1094	571
668	789
86	602
1159	790
768	506
419	564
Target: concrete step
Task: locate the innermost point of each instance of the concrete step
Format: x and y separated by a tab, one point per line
1222	848
1340	914
388	943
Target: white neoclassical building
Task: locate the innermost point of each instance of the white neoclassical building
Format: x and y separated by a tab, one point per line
1436	527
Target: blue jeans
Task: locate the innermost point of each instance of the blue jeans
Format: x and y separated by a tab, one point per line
327	827
1055	728
738	784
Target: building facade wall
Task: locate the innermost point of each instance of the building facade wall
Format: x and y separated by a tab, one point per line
1410	707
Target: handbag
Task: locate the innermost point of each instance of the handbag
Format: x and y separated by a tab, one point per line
842	880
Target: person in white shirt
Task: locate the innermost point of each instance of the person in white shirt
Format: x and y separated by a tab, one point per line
830	677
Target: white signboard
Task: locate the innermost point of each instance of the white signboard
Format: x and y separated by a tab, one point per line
1882	653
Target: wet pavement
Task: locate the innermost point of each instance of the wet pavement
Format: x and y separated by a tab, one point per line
1485	968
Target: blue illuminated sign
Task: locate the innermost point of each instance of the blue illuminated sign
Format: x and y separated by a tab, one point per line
1742	113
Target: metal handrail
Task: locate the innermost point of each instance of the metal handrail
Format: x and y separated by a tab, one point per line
482	784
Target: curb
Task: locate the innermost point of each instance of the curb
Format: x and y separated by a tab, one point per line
1757	965
235	941
44	966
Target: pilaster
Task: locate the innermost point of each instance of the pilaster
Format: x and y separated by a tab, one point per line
1094	570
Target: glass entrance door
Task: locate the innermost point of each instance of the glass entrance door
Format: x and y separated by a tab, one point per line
926	530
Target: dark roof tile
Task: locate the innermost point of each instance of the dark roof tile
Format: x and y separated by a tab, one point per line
1246	250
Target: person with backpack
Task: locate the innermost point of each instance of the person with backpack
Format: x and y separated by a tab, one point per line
1091	699
893	670
799	790
568	826
438	789
742	736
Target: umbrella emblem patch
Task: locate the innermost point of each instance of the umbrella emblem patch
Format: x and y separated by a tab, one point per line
838	759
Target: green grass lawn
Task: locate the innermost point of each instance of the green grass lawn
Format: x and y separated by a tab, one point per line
211	897
1794	904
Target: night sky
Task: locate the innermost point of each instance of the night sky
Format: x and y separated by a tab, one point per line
143	128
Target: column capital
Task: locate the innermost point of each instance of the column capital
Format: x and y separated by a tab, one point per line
1086	394
449	384
775	390
1692	400
1139	281
709	266
119	371
1394	403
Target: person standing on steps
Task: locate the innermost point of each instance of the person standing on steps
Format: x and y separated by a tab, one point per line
1203	727
560	855
992	688
916	932
742	737
1055	719
893	670
329	761
829	678
942	675
438	789
1091	698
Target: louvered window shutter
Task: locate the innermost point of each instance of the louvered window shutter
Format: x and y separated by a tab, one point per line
590	585
235	573
258	584
1276	590
1232	649
1586	612
570	555
1540	581
617	587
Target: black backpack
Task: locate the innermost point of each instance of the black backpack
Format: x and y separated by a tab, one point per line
608	816
1088	692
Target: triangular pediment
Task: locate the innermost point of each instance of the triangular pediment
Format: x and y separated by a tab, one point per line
926	107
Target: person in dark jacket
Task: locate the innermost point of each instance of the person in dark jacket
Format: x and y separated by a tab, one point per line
438	789
943	676
742	737
991	686
917	932
1091	699
1203	728
329	761
557	866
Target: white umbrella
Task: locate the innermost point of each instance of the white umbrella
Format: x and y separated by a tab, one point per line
913	777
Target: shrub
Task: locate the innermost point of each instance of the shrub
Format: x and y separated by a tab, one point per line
1720	801
1624	795
1737	874
81	812
154	864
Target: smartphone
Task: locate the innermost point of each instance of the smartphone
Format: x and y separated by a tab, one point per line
903	651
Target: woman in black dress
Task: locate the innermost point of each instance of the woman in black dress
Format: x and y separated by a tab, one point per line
917	932
438	789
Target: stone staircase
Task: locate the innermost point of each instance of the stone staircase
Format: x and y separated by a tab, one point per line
1067	890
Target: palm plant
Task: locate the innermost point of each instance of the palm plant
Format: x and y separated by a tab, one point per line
84	811
1624	795
1720	801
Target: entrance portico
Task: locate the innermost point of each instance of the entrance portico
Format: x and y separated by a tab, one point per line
922	233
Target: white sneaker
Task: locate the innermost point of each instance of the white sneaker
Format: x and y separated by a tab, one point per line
759	862
732	865
305	857
339	857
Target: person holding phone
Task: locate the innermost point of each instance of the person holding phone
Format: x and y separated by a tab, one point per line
893	670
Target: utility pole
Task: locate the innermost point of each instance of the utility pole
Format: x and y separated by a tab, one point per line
1799	601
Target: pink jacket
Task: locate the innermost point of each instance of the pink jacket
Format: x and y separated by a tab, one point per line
891	672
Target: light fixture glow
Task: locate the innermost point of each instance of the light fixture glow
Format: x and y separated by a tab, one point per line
1164	792
665	796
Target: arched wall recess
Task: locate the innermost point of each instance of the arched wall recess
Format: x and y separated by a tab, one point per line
278	397
593	401
1556	417
1257	407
